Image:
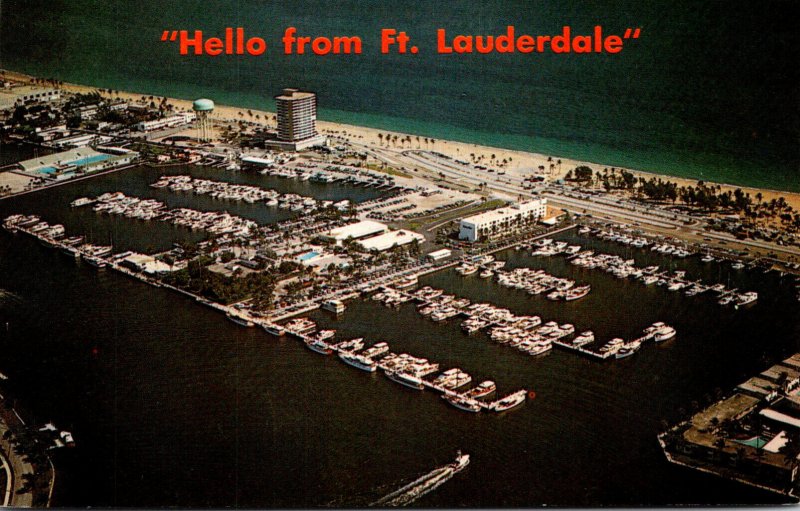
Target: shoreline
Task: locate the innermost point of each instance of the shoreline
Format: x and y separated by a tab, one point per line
519	162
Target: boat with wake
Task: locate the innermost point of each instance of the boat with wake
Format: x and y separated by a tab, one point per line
424	484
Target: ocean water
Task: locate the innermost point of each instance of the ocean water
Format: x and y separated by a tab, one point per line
708	91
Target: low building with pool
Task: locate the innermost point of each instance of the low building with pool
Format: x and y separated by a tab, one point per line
82	160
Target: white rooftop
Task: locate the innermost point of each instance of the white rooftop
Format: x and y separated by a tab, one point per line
357	230
780	417
777	443
390	239
501	213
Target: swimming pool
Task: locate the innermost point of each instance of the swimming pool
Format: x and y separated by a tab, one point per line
308	255
90	159
757	442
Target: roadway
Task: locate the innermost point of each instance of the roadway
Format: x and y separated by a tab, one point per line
663	222
15	467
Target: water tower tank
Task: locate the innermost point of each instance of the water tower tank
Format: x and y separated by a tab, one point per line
203	105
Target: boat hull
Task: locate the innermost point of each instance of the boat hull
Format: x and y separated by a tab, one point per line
415	384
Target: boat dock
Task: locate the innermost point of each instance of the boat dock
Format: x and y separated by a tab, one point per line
526	333
385	364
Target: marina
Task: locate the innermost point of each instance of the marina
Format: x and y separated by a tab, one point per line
296	283
398	318
527	334
405	369
626	268
236	192
399	366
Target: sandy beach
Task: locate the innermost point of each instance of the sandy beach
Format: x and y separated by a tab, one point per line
517	162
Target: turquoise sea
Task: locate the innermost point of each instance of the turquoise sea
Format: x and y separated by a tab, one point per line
708	91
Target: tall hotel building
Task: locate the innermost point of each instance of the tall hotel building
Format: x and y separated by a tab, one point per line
297	120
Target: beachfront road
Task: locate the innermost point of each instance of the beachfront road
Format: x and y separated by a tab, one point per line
677	225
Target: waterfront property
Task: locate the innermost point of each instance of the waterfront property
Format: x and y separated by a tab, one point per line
68	163
25	94
297	121
262	275
501	221
752	436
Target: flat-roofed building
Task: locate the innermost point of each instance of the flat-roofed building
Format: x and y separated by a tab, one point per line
23	94
501	220
355	231
438	255
66	163
167	122
390	240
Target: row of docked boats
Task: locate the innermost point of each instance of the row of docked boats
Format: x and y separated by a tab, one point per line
238	192
527	334
659	332
406	369
53	236
535	282
215	222
331	174
672	281
666	248
547	247
531	281
624	238
485	266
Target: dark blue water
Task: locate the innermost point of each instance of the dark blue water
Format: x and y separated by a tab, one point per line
709	90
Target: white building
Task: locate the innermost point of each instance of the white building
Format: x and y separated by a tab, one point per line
167	122
390	240
37	94
438	255
356	231
79	140
502	220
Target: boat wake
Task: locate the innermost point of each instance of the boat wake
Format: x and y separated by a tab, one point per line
9	297
423	485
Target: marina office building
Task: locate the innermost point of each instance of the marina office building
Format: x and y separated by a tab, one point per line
297	121
355	231
502	220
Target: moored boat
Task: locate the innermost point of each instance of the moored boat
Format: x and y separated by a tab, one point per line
358	362
482	390
665	333
406	379
273	329
510	401
318	346
240	320
462	403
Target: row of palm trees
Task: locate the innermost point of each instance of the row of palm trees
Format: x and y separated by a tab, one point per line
394	140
